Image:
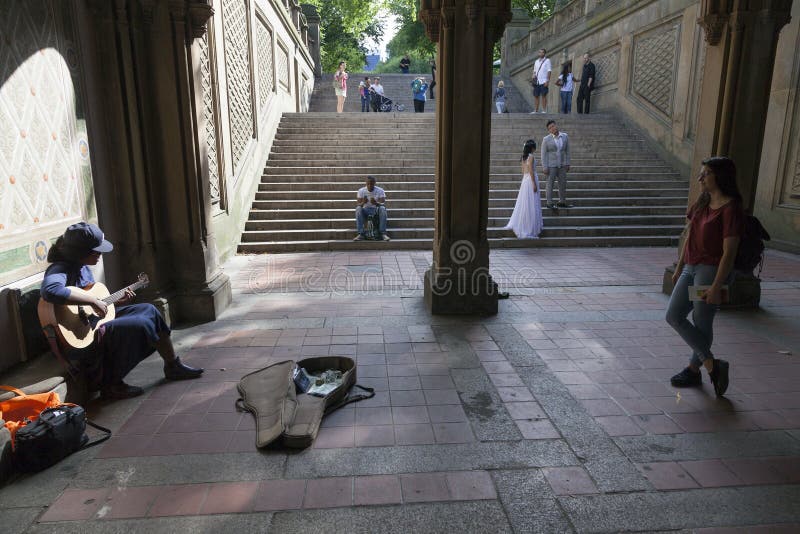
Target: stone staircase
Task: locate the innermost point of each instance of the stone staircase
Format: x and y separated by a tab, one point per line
623	194
398	88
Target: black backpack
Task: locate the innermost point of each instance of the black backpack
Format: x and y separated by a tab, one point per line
751	247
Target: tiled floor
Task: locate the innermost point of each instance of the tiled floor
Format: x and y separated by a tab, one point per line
560	403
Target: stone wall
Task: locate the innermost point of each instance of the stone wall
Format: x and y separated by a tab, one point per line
778	193
650	64
61	90
45	172
647	54
255	66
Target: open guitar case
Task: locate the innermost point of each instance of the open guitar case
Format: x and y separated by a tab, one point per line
281	412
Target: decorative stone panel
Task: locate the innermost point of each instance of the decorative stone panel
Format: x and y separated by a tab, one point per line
283	67
654	65
266	71
235	23
45	173
208	83
606	65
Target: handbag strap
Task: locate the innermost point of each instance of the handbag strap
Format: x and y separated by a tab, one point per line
14	390
370	392
99	440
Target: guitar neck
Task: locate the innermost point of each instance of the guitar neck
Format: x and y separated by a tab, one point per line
114	297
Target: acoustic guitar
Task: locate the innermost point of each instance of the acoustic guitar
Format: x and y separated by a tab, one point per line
75	324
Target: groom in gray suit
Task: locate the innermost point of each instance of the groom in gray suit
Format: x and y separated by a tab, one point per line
555	163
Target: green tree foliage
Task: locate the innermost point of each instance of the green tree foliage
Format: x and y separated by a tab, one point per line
410	38
345	25
537	9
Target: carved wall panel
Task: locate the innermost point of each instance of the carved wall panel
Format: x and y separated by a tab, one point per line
235	22
654	65
607	67
266	71
208	82
45	173
283	66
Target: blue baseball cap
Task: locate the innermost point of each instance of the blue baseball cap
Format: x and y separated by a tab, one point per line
86	237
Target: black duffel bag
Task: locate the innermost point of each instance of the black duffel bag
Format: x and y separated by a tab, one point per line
57	433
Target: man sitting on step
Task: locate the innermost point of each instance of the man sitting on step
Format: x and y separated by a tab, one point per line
371	201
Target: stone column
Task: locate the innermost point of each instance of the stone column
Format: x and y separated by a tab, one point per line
740	59
152	199
465	30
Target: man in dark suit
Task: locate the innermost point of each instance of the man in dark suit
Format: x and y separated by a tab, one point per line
588	78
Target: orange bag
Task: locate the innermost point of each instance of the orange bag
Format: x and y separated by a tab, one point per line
20	410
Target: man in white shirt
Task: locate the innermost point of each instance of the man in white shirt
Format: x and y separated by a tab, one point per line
555	163
371	200
540	79
377	86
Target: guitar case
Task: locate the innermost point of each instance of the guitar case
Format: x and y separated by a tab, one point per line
280	412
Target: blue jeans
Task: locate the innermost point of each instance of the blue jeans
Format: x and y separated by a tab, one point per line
364	103
699	335
566	102
363	212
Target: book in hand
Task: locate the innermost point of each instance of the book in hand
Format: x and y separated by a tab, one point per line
699	293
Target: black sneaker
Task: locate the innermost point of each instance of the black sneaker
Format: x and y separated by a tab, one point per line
177	370
686	379
719	377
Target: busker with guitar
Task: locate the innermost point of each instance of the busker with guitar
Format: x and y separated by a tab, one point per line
117	346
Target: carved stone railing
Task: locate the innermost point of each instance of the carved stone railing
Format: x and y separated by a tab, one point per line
566	16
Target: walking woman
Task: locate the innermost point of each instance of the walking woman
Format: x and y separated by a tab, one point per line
119	345
567	85
500	97
340	85
707	257
526	219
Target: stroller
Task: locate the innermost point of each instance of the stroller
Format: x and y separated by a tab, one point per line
383	103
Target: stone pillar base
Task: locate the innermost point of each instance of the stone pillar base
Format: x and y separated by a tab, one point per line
745	292
204	303
449	297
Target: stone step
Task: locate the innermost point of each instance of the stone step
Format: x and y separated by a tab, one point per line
424	150
382	179
288	215
509	194
390	153
332	234
494	222
427	244
399	186
493	202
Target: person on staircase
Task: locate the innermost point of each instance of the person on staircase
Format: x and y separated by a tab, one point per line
120	344
567	85
587	81
363	91
371	201
540	80
340	86
500	97
716	222
376	91
419	88
433	78
405	64
555	163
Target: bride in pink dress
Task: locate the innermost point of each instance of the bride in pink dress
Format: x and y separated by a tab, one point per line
526	219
